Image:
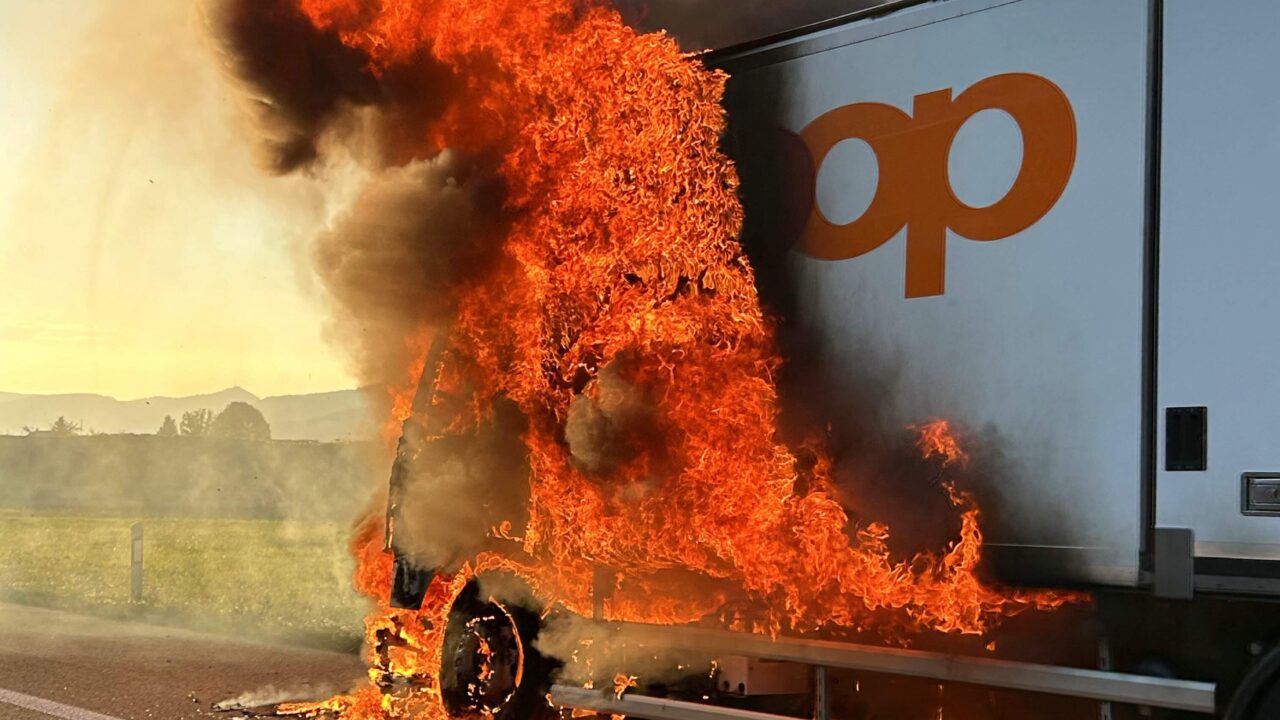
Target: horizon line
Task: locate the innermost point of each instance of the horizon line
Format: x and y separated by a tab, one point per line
177	397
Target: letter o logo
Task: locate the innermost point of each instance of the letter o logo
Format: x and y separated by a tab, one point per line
915	187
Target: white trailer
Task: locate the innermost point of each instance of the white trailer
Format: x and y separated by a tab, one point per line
1054	223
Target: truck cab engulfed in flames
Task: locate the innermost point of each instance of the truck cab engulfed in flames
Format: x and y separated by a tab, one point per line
989	239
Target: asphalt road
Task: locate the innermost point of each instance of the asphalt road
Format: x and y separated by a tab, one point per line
55	664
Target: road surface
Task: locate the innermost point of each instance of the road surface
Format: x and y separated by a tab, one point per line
55	664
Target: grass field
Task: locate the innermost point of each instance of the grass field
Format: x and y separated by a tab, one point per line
279	579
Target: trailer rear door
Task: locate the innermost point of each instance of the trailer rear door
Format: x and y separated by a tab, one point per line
1219	309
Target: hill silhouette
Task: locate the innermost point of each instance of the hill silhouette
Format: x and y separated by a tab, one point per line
337	415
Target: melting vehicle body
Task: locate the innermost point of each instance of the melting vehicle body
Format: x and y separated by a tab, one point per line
1027	216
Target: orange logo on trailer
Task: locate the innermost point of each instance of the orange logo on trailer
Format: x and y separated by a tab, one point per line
915	185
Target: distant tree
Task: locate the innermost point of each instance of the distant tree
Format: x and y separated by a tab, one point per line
196	422
61	427
168	428
241	421
64	427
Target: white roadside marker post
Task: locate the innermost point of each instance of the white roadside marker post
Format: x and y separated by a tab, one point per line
135	564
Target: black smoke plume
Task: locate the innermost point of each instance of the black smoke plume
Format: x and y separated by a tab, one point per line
297	79
412	222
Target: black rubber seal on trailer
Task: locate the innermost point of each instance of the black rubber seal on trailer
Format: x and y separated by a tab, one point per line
714	57
1150	463
1237	567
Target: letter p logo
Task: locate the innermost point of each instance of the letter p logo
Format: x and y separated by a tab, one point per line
915	186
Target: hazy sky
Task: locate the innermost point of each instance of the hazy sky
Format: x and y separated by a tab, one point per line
141	252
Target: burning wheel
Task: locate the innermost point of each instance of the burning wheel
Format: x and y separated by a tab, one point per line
1259	695
490	667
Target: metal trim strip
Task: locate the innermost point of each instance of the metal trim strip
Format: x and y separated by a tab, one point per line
1073	682
887	20
799	33
641	706
1151	290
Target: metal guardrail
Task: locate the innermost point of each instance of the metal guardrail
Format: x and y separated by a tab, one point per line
640	706
1073	682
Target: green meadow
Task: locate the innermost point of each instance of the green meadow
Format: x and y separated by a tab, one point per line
282	580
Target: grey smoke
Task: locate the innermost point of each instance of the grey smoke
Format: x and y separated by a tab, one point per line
610	424
272	695
419	223
463	487
390	262
591	654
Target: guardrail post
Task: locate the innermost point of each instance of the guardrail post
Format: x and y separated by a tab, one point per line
821	694
1104	663
135	563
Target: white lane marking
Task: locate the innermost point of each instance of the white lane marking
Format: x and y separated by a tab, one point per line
49	707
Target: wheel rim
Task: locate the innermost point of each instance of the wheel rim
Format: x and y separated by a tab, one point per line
1258	697
490	668
487	657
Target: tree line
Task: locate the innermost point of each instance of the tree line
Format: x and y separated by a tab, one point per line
238	420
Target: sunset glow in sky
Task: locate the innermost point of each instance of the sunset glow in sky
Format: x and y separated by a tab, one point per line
141	252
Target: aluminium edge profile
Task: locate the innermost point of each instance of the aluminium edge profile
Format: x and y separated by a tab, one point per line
1098	685
650	708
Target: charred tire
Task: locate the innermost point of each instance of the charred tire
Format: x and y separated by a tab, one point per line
490	667
1258	697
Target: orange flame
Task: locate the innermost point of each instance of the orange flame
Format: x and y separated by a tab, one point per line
622	252
937	440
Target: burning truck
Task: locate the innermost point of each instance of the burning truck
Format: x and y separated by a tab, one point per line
579	257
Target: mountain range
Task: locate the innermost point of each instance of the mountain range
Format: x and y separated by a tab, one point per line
338	415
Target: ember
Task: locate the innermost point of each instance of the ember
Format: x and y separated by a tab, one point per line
620	293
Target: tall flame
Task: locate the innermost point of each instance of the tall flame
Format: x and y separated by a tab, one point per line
621	253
